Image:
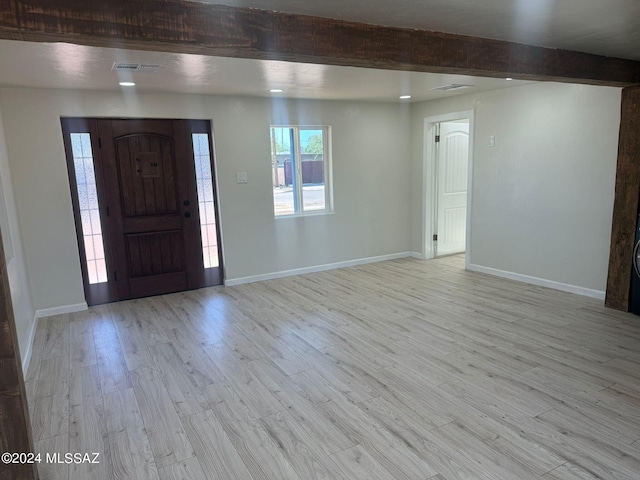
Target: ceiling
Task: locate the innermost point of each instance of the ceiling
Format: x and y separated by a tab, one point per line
594	26
61	65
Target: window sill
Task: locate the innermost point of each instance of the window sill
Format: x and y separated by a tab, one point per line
305	215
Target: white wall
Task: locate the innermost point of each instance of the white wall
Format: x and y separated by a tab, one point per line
16	270
543	196
371	170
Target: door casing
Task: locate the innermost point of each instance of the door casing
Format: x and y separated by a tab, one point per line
108	291
429	181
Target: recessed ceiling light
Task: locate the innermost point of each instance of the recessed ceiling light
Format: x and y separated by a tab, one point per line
276	90
508	78
405	97
127	84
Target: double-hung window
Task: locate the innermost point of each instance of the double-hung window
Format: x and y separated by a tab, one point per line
301	170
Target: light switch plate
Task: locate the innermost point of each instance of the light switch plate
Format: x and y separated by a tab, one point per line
242	177
492	141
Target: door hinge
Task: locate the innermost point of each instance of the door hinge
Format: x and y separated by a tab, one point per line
99	142
435	237
107	210
437	138
115	276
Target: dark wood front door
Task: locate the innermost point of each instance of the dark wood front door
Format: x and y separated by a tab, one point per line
150	189
146	206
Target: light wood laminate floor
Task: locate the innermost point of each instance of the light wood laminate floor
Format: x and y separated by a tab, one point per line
404	369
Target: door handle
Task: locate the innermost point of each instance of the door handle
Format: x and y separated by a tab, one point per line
186	203
187	214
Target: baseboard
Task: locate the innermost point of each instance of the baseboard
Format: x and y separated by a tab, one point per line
317	268
541	282
419	255
41	313
49	312
26	355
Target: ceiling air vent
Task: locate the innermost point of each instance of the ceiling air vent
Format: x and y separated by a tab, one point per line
135	67
453	86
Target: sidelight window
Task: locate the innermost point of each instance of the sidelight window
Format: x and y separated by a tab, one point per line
301	170
89	209
204	179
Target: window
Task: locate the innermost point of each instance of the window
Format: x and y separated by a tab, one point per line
89	209
301	170
204	179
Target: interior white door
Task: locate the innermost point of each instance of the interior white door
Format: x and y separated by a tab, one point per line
453	165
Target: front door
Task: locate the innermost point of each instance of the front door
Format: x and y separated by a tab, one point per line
153	208
149	213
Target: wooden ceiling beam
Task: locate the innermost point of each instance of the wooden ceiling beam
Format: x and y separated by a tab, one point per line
189	27
625	207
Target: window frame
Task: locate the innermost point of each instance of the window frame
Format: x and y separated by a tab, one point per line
298	186
213	276
103	292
